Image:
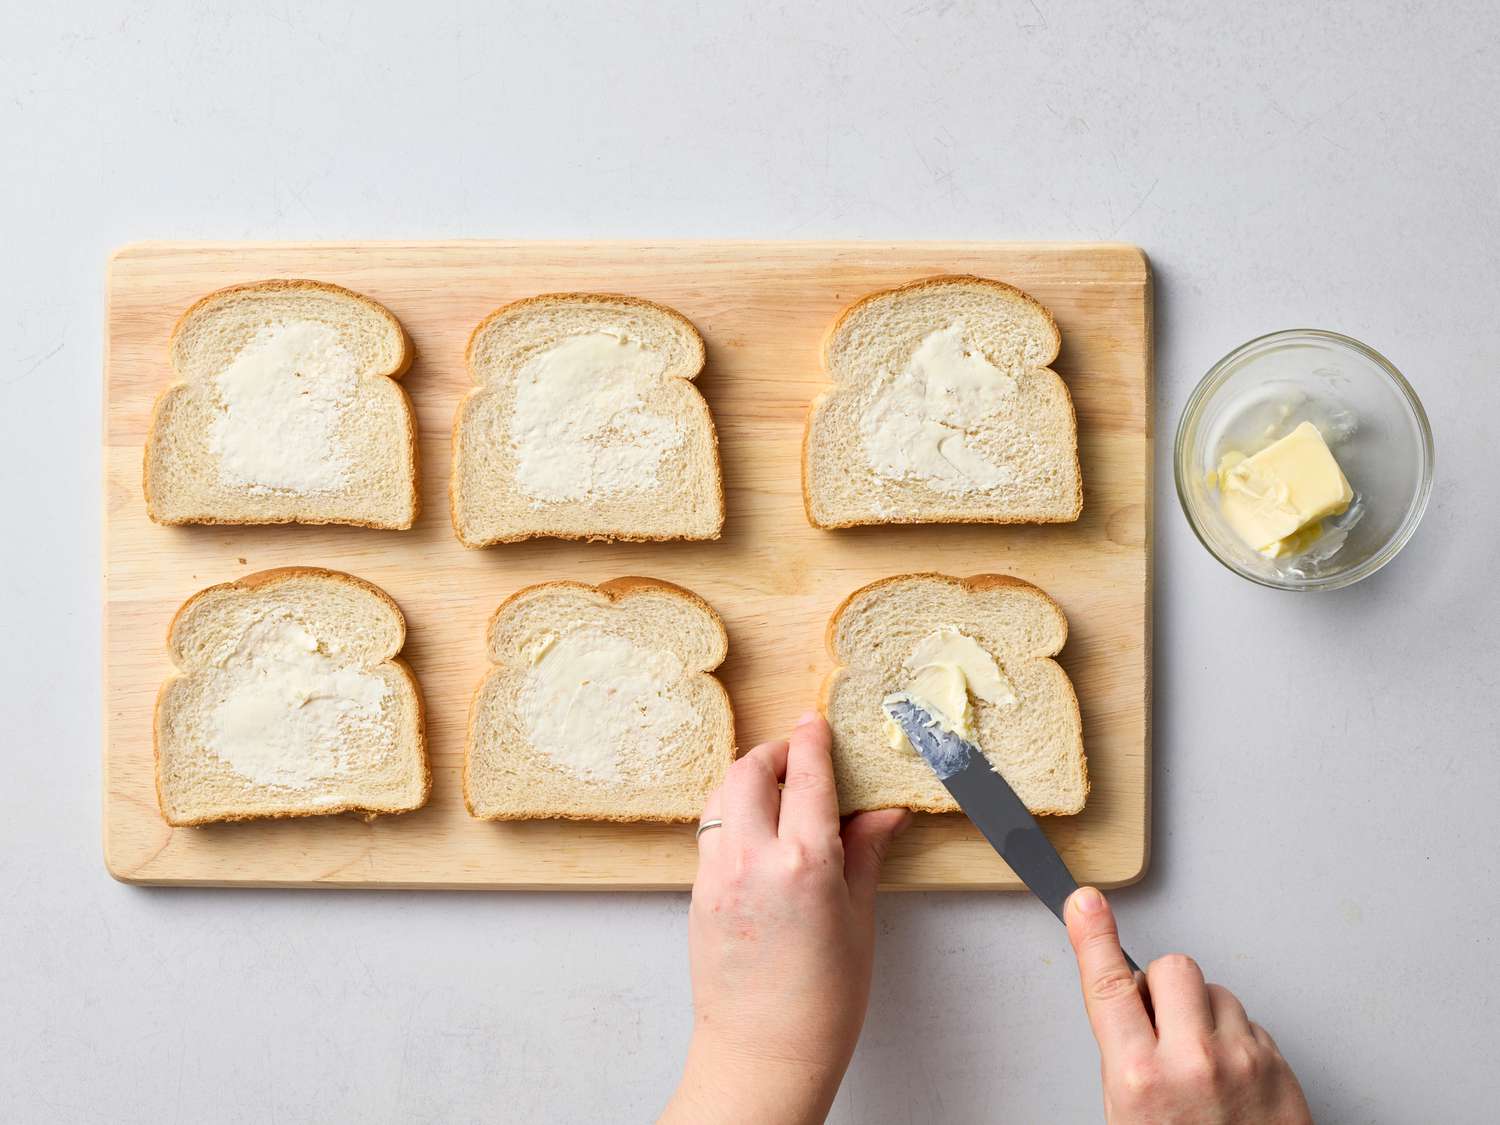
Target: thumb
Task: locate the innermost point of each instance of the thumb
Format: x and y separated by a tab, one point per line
867	839
1116	1008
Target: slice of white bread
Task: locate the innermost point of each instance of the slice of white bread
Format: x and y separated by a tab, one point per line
289	700
1036	743
286	410
600	705
942	410
584	424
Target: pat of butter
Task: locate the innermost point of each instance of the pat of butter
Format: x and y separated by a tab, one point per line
944	669
538	647
1276	499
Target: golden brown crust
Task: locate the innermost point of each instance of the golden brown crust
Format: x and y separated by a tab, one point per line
590	299
618	589
297	284
590	818
938	282
583	537
282	573
882	521
621	537
403	365
974	583
400	664
615	590
817	402
256	581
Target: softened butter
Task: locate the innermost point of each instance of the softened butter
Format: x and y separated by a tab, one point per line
281	402
591	700
945	668
580	427
917	422
286	707
1276	499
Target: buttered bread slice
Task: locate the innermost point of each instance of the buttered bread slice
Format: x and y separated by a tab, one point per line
289	700
287	410
584	424
977	654
942	410
600	705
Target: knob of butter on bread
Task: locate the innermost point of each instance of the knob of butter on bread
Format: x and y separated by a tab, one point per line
977	653
944	669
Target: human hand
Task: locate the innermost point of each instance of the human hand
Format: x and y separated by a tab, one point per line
782	937
1201	1061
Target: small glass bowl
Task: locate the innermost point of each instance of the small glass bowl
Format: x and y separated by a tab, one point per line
1368	413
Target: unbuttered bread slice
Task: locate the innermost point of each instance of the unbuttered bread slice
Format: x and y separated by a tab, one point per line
287	410
942	410
600	705
585	424
1035	742
289	700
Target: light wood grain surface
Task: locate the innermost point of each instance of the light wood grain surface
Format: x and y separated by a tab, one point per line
762	309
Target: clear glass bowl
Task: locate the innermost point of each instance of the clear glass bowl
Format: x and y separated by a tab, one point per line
1371	419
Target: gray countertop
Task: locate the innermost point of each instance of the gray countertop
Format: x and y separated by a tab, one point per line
1325	775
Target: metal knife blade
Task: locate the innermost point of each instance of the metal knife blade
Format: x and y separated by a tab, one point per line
989	801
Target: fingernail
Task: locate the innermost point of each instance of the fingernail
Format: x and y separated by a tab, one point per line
808	717
1089	900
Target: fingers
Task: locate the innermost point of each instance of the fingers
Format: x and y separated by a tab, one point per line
1116	1011
1228	1013
708	846
867	841
1179	996
752	801
809	804
1263	1037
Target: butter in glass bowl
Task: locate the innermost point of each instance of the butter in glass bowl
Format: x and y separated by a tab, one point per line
1303	460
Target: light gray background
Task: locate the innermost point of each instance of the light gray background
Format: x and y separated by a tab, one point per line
1325	776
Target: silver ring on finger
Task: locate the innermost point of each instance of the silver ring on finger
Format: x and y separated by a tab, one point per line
706	825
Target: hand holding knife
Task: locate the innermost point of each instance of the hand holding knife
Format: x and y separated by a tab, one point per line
989	801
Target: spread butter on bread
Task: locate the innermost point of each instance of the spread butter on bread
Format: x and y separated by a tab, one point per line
286	410
942	410
1022	711
289	700
584	424
600	705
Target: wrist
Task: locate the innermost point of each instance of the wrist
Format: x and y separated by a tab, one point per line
724	1082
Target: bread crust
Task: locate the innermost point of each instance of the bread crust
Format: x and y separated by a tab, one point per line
940	281
613	537
403	365
590	299
256	581
615	590
817	402
974	583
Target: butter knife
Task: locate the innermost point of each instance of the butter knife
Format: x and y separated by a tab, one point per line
989	801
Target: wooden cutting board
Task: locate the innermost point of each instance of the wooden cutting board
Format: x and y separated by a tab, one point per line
762	308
